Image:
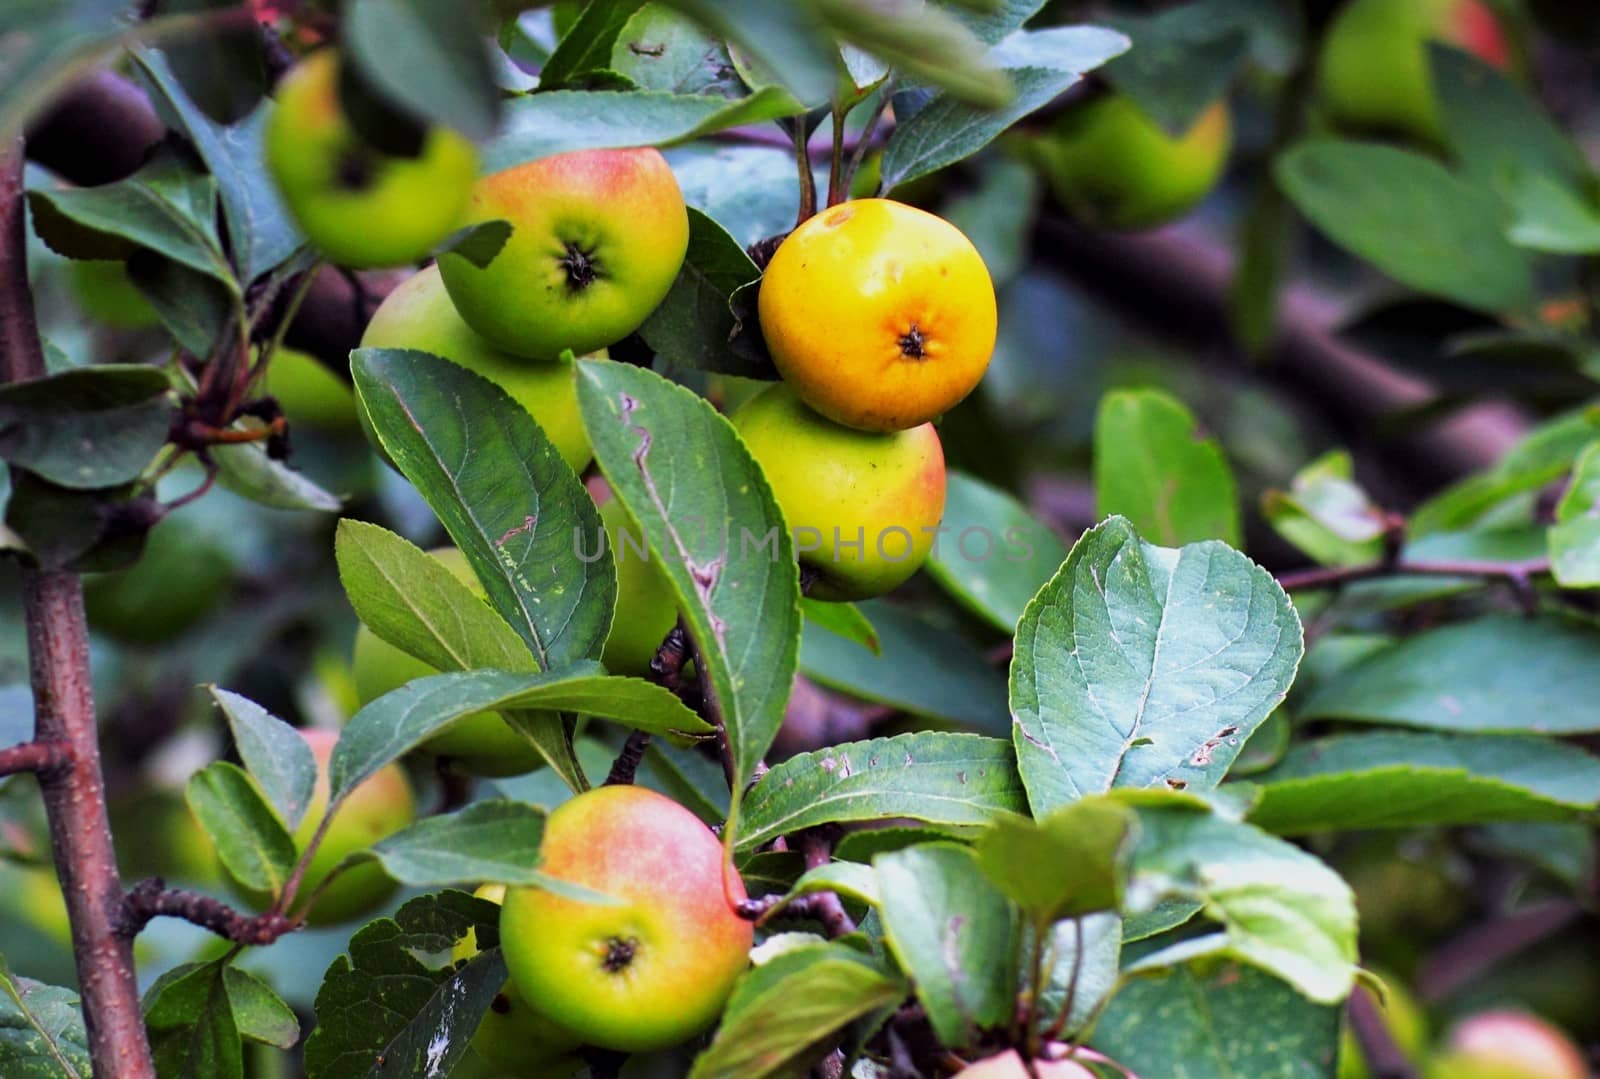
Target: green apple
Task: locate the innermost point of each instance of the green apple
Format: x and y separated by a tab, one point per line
102	289
646	607
419	315
597	239
1373	75
512	1038
864	507
376	809
1111	166
1508	1045
357	205
180	578
655	967
309	393
482	743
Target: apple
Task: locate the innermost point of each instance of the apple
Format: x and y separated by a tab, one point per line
180	578
1373	75
646	608
481	743
880	316
863	508
655	967
103	291
1508	1045
309	393
1111	166
419	315
597	239
512	1038
357	205
1010	1065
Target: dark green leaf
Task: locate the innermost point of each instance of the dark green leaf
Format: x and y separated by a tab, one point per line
427	58
1415	221
250	839
260	1013
494	840
246	470
1548	216
87	428
710	518
41	1030
275	753
511	504
950	779
191	1023
1407	780
1575	538
194	307
394	1007
587	46
992	554
660	49
1150	467
1070	863
58	527
1182	61
1494	127
478	244
695	326
1500	674
1144	666
781	37
955	933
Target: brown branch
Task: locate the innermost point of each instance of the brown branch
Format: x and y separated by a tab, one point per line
63	700
1466	958
816	846
808	182
151	898
1518	574
1384	1058
41	758
626	766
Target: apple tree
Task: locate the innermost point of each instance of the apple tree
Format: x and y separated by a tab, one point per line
883	538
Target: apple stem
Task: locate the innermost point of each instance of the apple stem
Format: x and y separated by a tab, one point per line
885	96
801	133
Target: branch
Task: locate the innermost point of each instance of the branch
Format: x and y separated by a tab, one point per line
40	758
1518	574
817	849
63	700
151	898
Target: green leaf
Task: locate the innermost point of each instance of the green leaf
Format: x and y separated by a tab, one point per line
695	327
1412	219
1144	666
1280	908
250	839
260	1013
1326	514
991	554
688	481
260	233
494	840
784	1012
1543	456
659	49
541	125
587	45
166	206
1099	938
192	306
1069	863
955	933
946	130
1218	1021
41	1030
998	214
89	427
783	38
1551	217
60	528
951	779
927	44
193	1032
842	620
852	879
1575	537
1498	674
501	490
1563	850
395	1006
425	57
1182	60
247	471
402	719
276	755
1407	780
1495	128
920	668
1152	468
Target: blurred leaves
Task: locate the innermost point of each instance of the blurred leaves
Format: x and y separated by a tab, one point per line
426	58
1069	863
1326	514
1575	537
87	428
1151	467
992	555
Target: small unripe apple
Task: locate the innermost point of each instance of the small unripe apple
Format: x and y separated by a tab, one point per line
1111	166
102	289
1374	76
879	315
864	508
376	809
597	239
481	743
1508	1045
646	608
512	1038
419	315
359	206
309	393
1010	1065
180	578
655	967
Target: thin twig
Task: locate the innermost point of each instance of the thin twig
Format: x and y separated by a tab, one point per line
837	192
626	766
885	95
808	182
817	849
37	757
151	899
